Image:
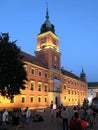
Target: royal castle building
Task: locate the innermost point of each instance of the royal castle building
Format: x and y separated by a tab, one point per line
47	81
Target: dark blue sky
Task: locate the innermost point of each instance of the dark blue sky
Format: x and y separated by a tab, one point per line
76	25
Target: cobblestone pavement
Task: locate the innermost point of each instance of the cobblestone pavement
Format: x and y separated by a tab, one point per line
47	124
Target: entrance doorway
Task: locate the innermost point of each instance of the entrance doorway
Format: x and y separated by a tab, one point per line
56	100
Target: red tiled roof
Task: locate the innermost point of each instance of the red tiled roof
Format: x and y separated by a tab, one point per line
70	74
32	59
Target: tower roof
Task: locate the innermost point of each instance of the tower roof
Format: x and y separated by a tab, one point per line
47	26
83	75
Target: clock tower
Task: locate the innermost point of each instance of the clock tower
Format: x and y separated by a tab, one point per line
48	45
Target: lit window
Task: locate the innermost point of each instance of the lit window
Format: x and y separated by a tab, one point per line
68	91
31	99
45	99
64	86
23	99
72	92
32	86
64	97
46	88
39	87
39	99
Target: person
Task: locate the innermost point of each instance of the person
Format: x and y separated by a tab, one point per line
74	110
23	117
28	114
52	115
15	118
5	117
82	113
64	115
77	119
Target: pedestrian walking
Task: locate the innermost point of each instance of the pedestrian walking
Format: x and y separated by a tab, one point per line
52	114
64	115
23	117
5	117
28	114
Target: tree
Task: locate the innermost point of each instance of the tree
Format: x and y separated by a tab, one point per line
12	72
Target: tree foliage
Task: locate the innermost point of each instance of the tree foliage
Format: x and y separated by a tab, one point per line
12	73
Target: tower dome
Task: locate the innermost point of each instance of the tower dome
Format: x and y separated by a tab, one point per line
47	26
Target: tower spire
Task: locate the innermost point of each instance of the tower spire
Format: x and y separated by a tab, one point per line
47	26
47	14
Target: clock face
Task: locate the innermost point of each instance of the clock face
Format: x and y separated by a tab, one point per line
43	40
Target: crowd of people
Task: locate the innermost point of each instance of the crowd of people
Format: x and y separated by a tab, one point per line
13	117
18	118
85	115
69	117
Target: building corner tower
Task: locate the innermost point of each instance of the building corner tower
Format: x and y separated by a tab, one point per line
48	45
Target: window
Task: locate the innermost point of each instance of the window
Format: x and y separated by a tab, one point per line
39	99
68	91
39	87
64	97
45	99
72	92
32	86
64	79
31	99
40	73
46	88
46	75
23	99
33	71
68	81
64	86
